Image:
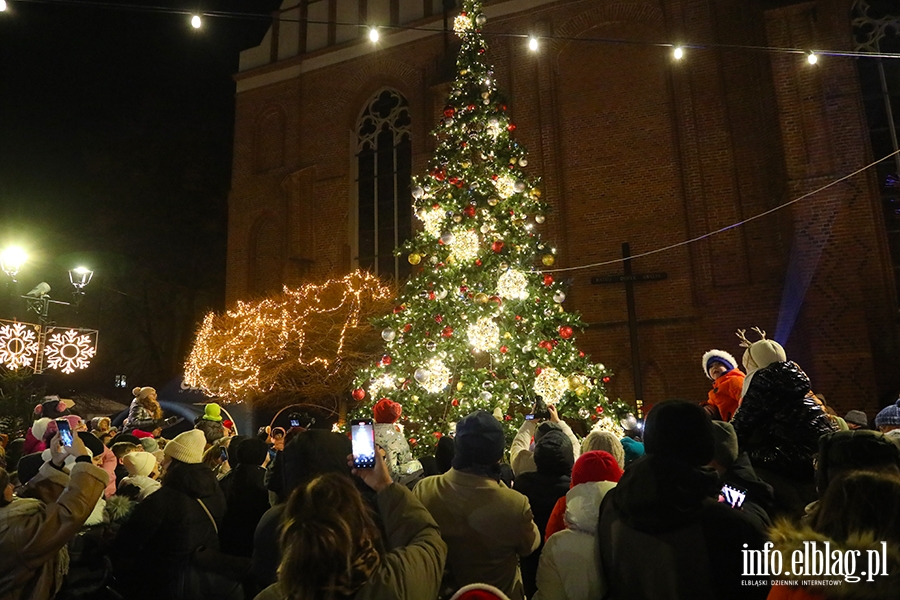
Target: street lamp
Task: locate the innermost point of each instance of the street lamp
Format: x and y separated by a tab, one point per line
44	345
11	260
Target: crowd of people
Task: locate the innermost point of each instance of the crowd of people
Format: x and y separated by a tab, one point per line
670	510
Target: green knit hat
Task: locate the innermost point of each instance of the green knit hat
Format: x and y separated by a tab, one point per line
212	412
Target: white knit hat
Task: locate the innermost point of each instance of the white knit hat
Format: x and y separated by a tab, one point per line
761	353
187	447
139	463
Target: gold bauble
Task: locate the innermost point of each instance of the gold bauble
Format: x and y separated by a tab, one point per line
493	201
459	386
548	260
482	298
414	258
507	336
536	193
581	391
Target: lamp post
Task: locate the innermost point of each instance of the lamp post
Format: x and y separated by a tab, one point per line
39	345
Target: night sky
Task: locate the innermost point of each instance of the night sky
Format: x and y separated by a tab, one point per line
115	151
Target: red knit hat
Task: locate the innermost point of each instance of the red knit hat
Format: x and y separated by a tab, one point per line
387	411
479	591
596	465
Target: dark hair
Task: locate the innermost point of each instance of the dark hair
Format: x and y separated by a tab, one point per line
212	430
4	481
329	541
860	502
121	449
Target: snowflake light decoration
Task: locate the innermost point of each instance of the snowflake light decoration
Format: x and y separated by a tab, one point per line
484	334
513	285
465	246
433	220
462	23
69	351
506	186
550	385
18	345
434	376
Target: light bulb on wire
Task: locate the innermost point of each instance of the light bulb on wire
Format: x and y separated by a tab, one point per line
678	53
373	34
196	22
812	58
533	44
2	5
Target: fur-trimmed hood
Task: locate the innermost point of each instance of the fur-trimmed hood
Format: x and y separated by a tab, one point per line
721	356
789	537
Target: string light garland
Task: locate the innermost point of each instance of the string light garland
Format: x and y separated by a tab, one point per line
532	41
306	341
728	227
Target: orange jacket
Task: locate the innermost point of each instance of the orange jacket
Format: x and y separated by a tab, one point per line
726	393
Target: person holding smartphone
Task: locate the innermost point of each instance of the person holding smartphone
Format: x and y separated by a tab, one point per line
328	526
543	418
34	530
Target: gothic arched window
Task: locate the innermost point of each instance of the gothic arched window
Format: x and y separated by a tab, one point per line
384	165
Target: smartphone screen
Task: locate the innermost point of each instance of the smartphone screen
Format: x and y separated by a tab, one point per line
529	417
65	432
732	496
362	434
295	422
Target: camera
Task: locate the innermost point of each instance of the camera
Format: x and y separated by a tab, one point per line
540	411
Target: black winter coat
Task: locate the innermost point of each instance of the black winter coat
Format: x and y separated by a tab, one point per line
663	537
247	500
154	547
779	423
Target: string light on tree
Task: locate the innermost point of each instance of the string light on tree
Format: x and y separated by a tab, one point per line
476	327
309	340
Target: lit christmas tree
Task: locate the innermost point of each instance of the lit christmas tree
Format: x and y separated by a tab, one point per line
480	327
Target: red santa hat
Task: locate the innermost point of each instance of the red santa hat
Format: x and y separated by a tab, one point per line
387	411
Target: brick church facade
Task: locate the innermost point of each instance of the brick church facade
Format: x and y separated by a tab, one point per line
631	145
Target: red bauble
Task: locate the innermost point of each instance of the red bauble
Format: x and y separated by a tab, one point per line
503	349
386	359
507	417
439	175
435	206
454	402
565	332
448	332
438	434
481	50
538	371
471	107
599	410
407	328
511	127
398	308
497	299
449	111
359	394
463	289
431	296
453	180
518	317
477	262
469	211
548	279
413	441
439	265
497	246
606	380
581	353
438	318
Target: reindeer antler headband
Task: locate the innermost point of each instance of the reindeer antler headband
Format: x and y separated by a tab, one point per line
745	343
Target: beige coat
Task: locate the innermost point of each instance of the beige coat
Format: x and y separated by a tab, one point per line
486	525
32	534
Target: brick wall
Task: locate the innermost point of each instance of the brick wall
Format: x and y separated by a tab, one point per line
632	146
